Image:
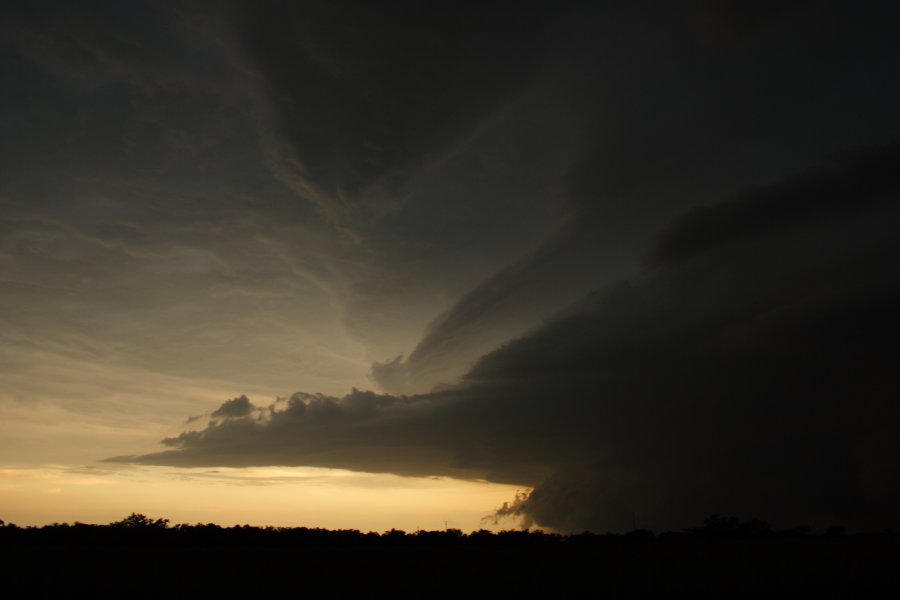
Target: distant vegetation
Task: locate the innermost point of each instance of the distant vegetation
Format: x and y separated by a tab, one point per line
140	528
144	557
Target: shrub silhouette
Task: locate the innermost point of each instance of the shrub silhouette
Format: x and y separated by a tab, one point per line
139	521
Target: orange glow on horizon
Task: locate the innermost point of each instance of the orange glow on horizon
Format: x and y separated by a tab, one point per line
282	496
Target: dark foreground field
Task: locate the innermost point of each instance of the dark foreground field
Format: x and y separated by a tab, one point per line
147	559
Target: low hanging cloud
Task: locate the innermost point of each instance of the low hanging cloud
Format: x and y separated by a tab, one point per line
237	407
754	374
362	430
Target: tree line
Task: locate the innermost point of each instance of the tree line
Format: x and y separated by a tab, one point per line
141	528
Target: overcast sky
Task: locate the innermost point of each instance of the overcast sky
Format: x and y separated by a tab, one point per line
635	256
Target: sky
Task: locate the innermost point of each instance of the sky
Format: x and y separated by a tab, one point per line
369	265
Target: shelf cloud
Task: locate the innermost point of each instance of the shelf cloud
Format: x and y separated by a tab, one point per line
752	374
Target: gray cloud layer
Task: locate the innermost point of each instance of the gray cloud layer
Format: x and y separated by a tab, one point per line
752	376
265	196
172	192
676	106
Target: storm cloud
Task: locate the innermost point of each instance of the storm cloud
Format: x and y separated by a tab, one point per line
674	107
639	257
755	377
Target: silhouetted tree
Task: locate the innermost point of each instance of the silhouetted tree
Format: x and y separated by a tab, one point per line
139	521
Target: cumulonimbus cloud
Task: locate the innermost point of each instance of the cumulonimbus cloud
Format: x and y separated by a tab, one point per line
754	376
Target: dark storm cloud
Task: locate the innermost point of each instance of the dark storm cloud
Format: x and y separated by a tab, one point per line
498	308
859	180
678	106
224	191
327	431
395	84
757	379
236	407
234	140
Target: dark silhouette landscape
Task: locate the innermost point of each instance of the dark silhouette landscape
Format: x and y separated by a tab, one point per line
142	557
